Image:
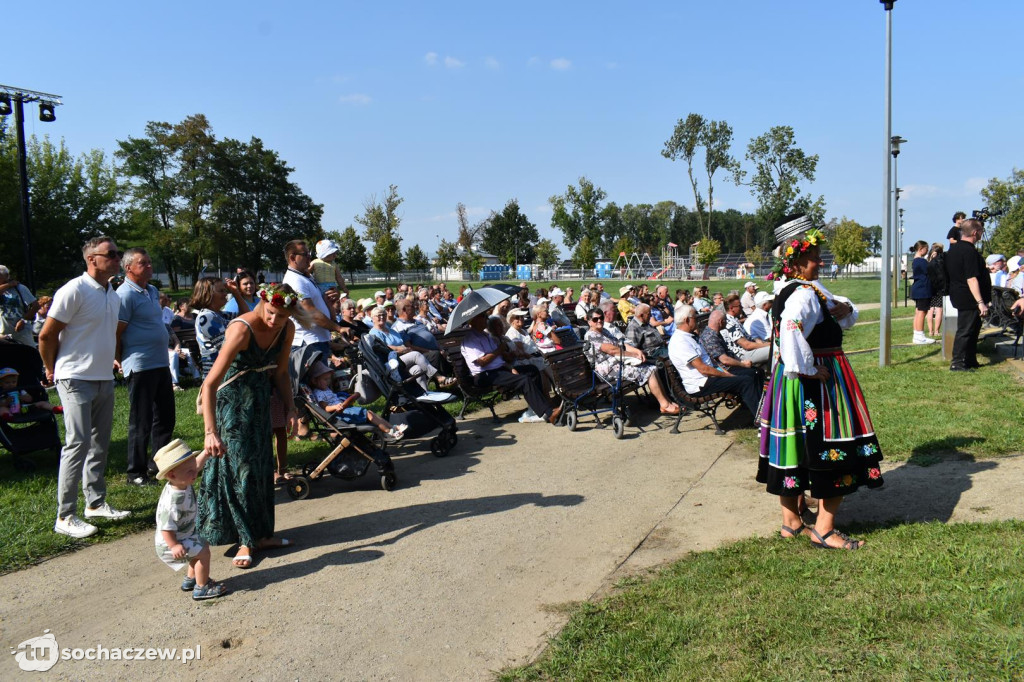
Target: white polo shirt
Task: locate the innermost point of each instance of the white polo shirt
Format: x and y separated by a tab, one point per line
682	350
308	288
86	344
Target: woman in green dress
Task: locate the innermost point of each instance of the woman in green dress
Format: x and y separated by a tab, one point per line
236	495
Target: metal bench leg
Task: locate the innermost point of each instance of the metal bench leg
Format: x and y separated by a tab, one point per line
711	413
675	427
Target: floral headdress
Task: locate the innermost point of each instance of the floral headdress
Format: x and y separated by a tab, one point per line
792	251
276	296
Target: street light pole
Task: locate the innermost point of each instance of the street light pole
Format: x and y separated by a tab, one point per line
897	260
17	97
884	318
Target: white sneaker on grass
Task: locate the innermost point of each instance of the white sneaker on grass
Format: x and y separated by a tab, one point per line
74	527
105	511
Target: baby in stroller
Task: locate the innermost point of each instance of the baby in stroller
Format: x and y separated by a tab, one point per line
342	405
13	401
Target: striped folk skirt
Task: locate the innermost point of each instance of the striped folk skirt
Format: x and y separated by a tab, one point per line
816	435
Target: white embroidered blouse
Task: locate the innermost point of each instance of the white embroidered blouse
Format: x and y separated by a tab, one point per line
798	319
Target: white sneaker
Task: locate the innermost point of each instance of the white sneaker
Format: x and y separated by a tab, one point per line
923	340
105	511
74	526
535	419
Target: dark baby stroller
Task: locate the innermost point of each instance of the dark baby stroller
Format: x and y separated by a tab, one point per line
34	429
407	403
353	448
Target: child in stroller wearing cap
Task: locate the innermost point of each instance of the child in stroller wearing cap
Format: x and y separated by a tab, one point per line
342	405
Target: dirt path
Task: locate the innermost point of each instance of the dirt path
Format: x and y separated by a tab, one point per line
456	573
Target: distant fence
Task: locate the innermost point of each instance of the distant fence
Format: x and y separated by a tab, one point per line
726	266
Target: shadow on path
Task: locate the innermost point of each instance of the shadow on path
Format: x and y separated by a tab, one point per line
928	487
383	528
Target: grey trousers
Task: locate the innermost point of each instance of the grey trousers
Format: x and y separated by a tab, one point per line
758	356
88	416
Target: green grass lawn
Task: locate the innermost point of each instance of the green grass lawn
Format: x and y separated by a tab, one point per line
921	602
29	499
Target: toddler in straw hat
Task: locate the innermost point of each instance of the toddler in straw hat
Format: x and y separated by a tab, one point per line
177	542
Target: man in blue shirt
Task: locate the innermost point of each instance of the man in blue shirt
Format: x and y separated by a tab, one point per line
142	353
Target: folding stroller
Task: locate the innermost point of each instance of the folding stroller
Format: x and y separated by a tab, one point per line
353	448
405	400
35	429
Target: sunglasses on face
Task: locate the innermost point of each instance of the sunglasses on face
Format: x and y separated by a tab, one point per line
112	255
597	319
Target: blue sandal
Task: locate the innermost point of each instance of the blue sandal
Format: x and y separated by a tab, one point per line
210	590
188	584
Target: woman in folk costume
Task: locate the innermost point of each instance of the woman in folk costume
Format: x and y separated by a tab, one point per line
816	433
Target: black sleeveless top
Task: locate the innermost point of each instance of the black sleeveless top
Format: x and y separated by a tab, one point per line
825	335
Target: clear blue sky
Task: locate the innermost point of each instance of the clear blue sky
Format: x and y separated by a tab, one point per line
477	103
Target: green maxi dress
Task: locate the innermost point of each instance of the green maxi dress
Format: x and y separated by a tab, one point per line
236	495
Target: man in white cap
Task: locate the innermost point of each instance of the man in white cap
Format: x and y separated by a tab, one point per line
758	323
747	299
1015	278
555	312
996	263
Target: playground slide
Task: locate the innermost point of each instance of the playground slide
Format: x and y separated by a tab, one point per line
661	272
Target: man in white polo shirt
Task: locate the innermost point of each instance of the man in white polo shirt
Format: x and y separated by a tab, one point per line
77	345
697	370
318	334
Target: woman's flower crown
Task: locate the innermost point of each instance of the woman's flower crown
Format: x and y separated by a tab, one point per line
792	252
277	297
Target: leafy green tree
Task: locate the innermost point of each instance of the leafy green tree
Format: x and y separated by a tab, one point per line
1007	196
717	141
194	143
447	255
585	255
622	245
471	261
415	259
387	255
577	213
381	220
686	138
612	229
256	207
150	166
351	251
547	254
469	236
873	236
708	250
691	134
70	200
779	167
848	244
755	254
510	235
